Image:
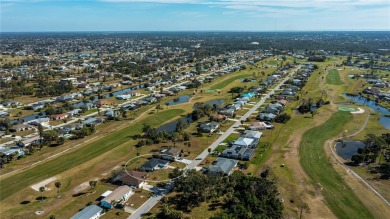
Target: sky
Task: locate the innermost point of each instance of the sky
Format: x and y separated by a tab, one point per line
193	15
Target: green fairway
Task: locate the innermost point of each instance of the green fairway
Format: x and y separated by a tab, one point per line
226	82
338	195
56	166
333	77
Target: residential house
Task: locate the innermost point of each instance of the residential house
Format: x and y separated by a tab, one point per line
227	112
209	127
245	142
89	212
271	110
132	178
219	117
101	103
267	116
92	121
64	98
12	150
119	195
40	121
87	106
238	152
257	126
83	85
59	116
253	135
21	127
223	166
29	141
150	100
170	154
37	106
74	112
123	97
135	93
153	164
3	114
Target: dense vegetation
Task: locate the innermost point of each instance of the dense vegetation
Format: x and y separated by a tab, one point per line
243	196
377	148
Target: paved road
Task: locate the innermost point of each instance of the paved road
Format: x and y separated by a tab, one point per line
153	200
215	144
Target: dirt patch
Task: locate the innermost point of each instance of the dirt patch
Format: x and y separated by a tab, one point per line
83	186
293	182
114	168
44	183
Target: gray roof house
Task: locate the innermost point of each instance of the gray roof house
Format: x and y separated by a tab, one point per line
271	110
253	134
209	127
170	154
223	165
267	116
153	164
89	212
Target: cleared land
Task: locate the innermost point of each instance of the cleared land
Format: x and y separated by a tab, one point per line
51	168
333	77
339	196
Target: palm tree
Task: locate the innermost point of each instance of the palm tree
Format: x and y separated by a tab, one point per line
42	189
58	186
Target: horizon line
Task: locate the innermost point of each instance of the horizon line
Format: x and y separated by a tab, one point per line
231	31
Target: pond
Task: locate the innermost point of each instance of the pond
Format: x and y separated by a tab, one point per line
362	100
181	99
171	127
347	149
385	121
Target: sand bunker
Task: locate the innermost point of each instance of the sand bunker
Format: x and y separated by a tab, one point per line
359	111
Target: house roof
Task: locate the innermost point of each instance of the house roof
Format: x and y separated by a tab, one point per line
87	212
117	194
223	165
243	141
131	180
152	163
253	134
172	151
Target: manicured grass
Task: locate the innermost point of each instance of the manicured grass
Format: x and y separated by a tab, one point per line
333	77
226	82
339	196
51	168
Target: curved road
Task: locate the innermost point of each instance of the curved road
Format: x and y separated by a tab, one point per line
330	145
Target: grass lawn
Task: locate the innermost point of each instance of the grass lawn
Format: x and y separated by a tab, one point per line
339	196
18	181
226	82
333	77
5	139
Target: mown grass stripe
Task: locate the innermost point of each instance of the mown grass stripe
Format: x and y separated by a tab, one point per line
339	196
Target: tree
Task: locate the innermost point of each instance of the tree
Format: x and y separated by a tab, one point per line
42	189
93	184
303	206
282	118
181	125
209	150
58	186
49	136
